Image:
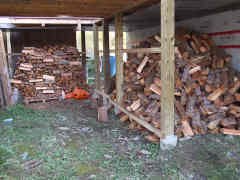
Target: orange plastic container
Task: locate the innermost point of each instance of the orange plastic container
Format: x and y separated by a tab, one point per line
68	95
80	94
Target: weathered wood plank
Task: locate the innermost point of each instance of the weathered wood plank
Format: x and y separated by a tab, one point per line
119	56
106	54
83	42
142	50
9	51
167	66
96	57
4	72
139	50
1	96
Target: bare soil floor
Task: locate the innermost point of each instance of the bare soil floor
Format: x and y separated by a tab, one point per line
64	141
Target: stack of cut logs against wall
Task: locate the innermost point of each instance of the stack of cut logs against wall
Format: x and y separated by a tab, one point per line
206	87
45	73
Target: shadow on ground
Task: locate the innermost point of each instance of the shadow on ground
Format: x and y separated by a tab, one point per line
63	141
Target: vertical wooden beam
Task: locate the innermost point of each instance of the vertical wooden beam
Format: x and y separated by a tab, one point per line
1	95
96	57
106	54
119	56
83	45
9	51
167	66
4	71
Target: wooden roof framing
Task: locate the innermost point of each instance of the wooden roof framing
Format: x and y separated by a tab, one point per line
74	8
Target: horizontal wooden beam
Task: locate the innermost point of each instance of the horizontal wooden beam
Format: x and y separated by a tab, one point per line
143	123
44	21
142	50
137	50
132	7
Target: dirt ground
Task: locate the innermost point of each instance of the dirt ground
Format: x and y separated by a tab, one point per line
64	141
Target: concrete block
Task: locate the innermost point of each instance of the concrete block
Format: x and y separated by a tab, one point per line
170	142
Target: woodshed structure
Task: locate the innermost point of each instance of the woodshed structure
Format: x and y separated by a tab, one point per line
21	22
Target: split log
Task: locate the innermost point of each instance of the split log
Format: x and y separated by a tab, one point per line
15	81
103	114
186	128
216	94
155	89
143	64
230	131
124	118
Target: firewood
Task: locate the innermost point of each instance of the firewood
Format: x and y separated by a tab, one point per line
186	128
237	97
136	105
230	131
213	124
48	92
48	78
48	60
235	87
157	81
203	49
206	87
124	118
103	114
194	70
75	63
194	47
143	64
155	89
156	123
234	107
41	88
196	40
40	71
228	122
152	138
15	81
158	38
206	45
216	94
35	80
220	63
26	65
228	59
25	69
178	53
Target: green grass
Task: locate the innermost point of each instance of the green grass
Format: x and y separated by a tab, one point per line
100	154
31	133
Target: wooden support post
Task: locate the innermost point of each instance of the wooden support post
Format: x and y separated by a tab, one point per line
9	51
106	54
83	45
4	72
167	66
96	57
119	56
1	95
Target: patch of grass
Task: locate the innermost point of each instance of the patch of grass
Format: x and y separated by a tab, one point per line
154	149
25	148
4	155
83	169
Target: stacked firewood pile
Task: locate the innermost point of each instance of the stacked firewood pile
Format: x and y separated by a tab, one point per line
45	73
206	87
